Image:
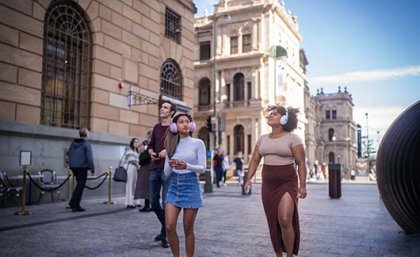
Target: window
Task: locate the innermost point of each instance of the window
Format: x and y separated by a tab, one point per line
172	26
334	114
249	144
330	134
238	143
238	87
171	80
203	134
66	69
249	89
205	50
246	43
228	98
233	45
327	114
204	92
228	145
331	157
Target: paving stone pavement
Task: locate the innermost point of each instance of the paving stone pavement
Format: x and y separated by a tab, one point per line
230	225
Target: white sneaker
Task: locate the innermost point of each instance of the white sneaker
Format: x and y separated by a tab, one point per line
224	184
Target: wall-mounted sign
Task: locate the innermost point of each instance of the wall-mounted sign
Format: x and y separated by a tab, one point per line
25	158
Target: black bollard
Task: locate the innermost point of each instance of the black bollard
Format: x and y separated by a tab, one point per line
208	187
398	169
334	180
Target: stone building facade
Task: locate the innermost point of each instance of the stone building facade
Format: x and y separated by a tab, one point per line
246	58
66	64
331	131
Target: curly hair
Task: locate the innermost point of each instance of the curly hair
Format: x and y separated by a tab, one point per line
292	119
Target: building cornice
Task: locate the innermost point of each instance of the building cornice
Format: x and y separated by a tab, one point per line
188	4
231	58
287	21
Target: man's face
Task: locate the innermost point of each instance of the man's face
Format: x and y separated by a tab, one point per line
165	110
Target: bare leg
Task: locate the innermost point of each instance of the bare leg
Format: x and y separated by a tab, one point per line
285	212
171	218
189	220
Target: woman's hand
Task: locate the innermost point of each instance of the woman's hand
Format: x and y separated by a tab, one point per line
177	164
162	154
247	185
302	192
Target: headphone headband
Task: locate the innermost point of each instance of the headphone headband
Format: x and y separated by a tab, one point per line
174	128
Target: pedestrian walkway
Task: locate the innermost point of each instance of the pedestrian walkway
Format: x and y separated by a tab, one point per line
230	225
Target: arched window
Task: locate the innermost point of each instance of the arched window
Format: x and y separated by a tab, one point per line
238	139
331	157
330	134
171	79
203	134
238	87
204	92
66	68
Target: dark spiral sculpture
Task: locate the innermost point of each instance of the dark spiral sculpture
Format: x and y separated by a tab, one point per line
398	169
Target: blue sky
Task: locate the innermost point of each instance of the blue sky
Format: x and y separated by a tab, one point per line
370	46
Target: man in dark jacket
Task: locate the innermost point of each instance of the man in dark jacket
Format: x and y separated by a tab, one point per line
157	179
80	161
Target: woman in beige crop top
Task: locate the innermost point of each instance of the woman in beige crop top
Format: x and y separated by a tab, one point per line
283	154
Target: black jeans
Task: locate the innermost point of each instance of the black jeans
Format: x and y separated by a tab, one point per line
81	177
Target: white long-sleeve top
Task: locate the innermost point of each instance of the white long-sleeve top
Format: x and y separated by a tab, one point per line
193	152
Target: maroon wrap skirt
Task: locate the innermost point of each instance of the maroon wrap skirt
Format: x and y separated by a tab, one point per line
277	180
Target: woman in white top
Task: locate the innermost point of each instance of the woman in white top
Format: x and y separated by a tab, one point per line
186	157
131	158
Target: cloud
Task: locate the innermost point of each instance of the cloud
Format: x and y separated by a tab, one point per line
379	119
371	75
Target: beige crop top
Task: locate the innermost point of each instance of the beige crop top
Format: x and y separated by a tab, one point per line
278	151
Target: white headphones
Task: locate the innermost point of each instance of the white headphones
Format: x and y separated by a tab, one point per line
284	118
174	128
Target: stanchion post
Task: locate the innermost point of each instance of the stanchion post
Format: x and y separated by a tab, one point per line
23	210
69	188
109	187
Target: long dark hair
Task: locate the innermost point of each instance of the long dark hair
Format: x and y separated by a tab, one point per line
172	140
291	121
132	144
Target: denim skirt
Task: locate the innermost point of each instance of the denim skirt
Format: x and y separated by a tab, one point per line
184	191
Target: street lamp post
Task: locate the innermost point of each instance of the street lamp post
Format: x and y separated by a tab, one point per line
334	139
214	120
367	135
208	187
367	143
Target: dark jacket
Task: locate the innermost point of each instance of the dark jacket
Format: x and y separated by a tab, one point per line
157	143
238	161
80	155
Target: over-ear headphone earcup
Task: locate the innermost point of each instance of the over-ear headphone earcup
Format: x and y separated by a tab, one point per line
192	126
173	128
284	118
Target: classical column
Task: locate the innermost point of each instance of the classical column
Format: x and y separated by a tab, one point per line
255	45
